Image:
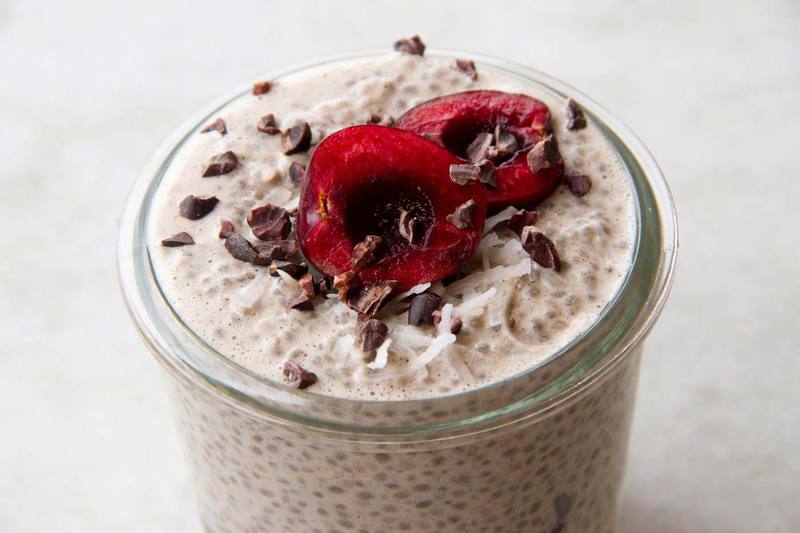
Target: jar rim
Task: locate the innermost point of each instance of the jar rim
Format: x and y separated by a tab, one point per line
596	351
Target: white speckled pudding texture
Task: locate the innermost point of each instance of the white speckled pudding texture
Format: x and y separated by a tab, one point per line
530	312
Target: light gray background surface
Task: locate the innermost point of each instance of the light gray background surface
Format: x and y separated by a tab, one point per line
89	89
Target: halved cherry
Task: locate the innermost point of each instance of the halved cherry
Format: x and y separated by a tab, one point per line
361	181
455	121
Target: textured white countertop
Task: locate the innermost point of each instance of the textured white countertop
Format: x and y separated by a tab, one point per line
89	89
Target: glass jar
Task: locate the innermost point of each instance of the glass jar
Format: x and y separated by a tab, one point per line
543	450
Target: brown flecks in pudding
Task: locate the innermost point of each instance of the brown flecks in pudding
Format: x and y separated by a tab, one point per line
576	119
179	239
279	249
295	270
269	222
543	155
240	248
298	377
422	307
464	174
463	216
226	229
409	226
196	207
412	46
261	87
504	141
562	504
221	164
297	172
218	126
541	249
466	67
368	299
522	218
296	139
484	481
487	174
345	283
578	184
455	323
480	148
372	334
364	253
380	119
266	124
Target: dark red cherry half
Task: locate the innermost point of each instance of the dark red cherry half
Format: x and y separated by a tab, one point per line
359	182
455	120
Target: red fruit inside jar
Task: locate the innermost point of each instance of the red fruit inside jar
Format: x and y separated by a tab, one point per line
362	181
455	121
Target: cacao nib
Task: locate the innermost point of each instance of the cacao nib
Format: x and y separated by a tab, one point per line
372	334
261	87
413	46
179	239
576	119
467	67
296	139
240	248
541	249
463	216
422	307
194	207
221	164
298	377
578	184
218	125
269	222
365	252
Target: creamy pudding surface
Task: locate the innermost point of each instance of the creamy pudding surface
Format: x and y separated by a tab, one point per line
515	313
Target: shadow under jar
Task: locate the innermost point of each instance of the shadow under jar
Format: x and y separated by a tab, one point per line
543	450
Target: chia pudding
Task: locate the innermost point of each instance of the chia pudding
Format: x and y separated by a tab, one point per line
432	351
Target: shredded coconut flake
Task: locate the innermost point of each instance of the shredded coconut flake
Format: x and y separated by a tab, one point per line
411	336
344	345
502	216
473	305
286	277
416	289
249	295
511	252
439	344
485	247
498	307
381	356
395	306
492	276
